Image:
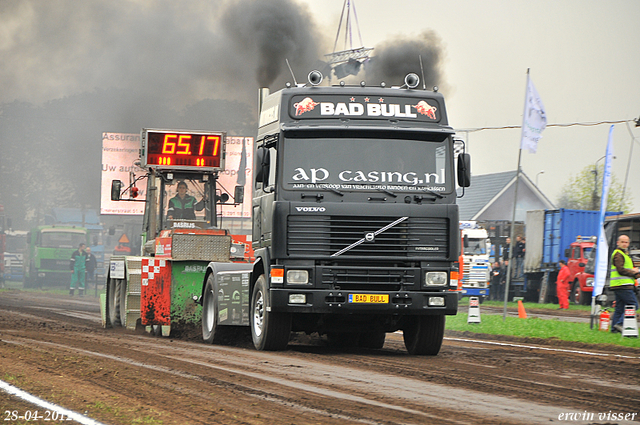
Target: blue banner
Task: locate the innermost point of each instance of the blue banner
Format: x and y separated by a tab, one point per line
602	259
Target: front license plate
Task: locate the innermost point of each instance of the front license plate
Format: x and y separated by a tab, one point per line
369	298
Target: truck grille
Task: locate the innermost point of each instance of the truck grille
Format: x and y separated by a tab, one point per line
475	275
200	247
51	264
370	278
322	236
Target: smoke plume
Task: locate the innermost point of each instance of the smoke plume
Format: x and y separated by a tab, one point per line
72	70
394	59
271	33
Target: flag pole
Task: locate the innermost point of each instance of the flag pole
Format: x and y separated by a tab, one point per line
515	204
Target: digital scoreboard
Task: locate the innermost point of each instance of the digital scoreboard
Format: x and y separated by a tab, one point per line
182	150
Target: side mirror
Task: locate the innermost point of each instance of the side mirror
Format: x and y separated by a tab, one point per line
464	170
262	166
238	195
112	230
465	241
116	187
567	253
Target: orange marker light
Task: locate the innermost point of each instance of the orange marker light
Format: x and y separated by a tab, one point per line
277	275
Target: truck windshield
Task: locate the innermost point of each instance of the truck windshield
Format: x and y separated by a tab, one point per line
476	247
62	239
184	200
16	243
367	164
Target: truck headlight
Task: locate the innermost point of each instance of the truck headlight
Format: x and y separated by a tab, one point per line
435	279
297	277
589	281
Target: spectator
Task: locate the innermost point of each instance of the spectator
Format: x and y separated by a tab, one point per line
497	281
78	264
519	250
505	250
623	276
91	265
562	286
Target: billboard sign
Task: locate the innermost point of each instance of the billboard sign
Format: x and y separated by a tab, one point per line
119	153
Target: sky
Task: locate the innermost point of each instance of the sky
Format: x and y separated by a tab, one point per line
583	57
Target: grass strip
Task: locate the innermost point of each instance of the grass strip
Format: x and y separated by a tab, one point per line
532	327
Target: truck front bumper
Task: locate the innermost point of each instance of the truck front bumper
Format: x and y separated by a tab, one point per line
330	301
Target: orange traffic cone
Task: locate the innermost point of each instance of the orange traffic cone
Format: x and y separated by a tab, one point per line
521	311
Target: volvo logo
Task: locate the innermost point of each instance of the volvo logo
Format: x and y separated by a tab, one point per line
311	209
370	237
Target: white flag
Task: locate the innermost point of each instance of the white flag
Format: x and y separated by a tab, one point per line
534	120
242	167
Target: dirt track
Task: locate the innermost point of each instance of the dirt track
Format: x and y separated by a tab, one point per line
55	348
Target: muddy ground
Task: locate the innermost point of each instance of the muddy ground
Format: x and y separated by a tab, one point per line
54	347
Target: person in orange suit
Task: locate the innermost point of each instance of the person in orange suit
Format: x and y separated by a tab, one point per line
562	286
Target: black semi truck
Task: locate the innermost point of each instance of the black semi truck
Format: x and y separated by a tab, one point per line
355	222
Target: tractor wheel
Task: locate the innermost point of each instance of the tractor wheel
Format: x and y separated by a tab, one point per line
113	302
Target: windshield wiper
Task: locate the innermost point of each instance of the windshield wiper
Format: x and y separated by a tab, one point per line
336	191
436	194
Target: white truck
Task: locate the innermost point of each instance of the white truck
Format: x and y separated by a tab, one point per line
477	266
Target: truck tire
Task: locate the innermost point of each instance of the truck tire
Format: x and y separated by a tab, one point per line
212	333
424	334
269	331
113	303
30	281
373	340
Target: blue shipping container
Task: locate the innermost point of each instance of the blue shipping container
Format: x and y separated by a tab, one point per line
563	226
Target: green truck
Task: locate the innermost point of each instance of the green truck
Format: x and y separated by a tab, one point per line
49	250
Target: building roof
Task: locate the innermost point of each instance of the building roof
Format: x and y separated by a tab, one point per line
489	190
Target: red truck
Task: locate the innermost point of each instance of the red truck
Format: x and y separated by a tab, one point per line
578	256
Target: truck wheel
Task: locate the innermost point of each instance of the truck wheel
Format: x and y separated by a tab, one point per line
269	331
423	335
212	333
30	282
113	302
373	340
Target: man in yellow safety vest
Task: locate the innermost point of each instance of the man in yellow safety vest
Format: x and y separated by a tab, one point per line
622	281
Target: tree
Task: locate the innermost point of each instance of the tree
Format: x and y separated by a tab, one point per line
583	192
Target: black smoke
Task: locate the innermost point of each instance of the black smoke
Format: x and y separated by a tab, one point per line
268	33
71	70
394	59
